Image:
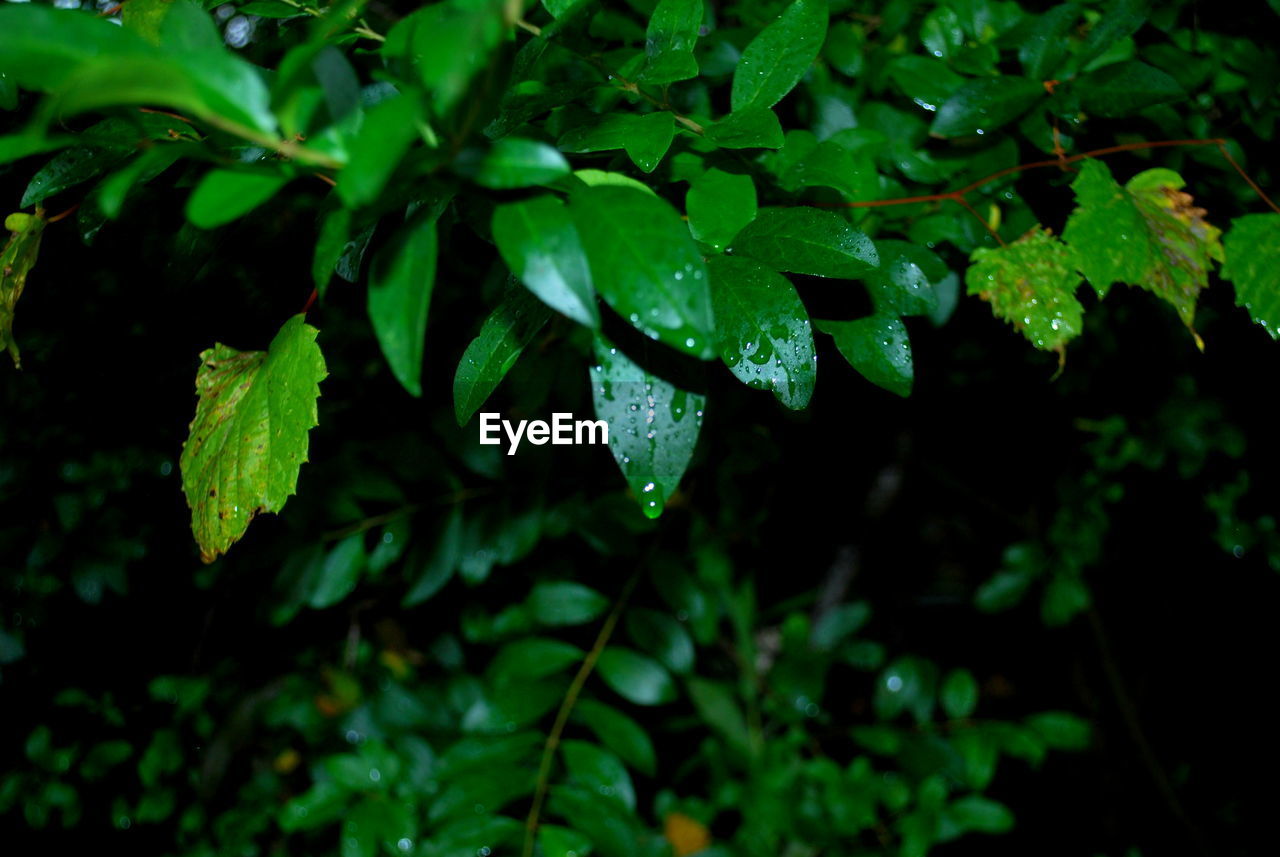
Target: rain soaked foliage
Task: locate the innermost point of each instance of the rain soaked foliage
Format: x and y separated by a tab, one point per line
932	337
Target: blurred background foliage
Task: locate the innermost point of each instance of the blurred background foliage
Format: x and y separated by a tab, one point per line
1004	616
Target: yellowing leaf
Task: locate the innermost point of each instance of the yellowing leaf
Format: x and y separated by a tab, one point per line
249	436
16	261
686	835
1032	285
1147	234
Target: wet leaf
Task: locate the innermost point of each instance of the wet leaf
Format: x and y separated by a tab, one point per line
669	41
16	261
645	137
540	244
983	105
1252	249
878	347
719	205
1032	285
495	350
807	240
249	436
780	54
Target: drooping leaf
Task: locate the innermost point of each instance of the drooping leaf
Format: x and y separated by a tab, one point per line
1032	285
540	244
984	105
878	347
645	137
1252	249
1125	88
249	436
669	41
653	425
762	329
495	350
400	285
225	195
16	261
1147	234
807	240
780	54
719	205
645	265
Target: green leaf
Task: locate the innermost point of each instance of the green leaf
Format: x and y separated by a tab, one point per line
980	814
1045	44
645	137
447	44
663	637
907	684
598	770
1251	250
400	285
331	243
249	436
431	569
763	329
225	195
635	677
533	658
807	240
150	163
16	261
748	128
959	694
1122	19
339	572
719	205
669	41
925	80
619	733
1147	234
388	130
653	425
375	826
878	347
719	709
1032	285
493	352
780	54
539	243
904	282
985	104
514	163
645	265
1061	730
563	602
67	169
1125	88
557	841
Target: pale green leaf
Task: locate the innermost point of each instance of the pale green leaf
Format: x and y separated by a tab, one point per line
1252	252
1032	285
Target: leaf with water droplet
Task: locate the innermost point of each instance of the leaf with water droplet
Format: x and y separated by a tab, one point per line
1252	262
780	54
669	41
1147	234
645	265
495	350
249	436
16	261
985	104
539	243
1032	285
806	240
645	137
763	329
904	282
719	204
878	347
653	425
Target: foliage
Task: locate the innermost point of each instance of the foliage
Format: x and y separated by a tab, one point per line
635	208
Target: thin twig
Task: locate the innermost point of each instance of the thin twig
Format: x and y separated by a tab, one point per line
566	707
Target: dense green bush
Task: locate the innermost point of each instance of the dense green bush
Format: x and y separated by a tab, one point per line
638	211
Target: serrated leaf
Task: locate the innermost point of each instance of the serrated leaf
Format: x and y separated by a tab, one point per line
748	128
718	205
540	244
249	436
1252	262
495	350
645	265
904	282
669	41
653	425
224	195
780	54
985	104
1125	88
1147	234
645	137
1032	285
16	261
762	329
400	286
805	240
878	347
